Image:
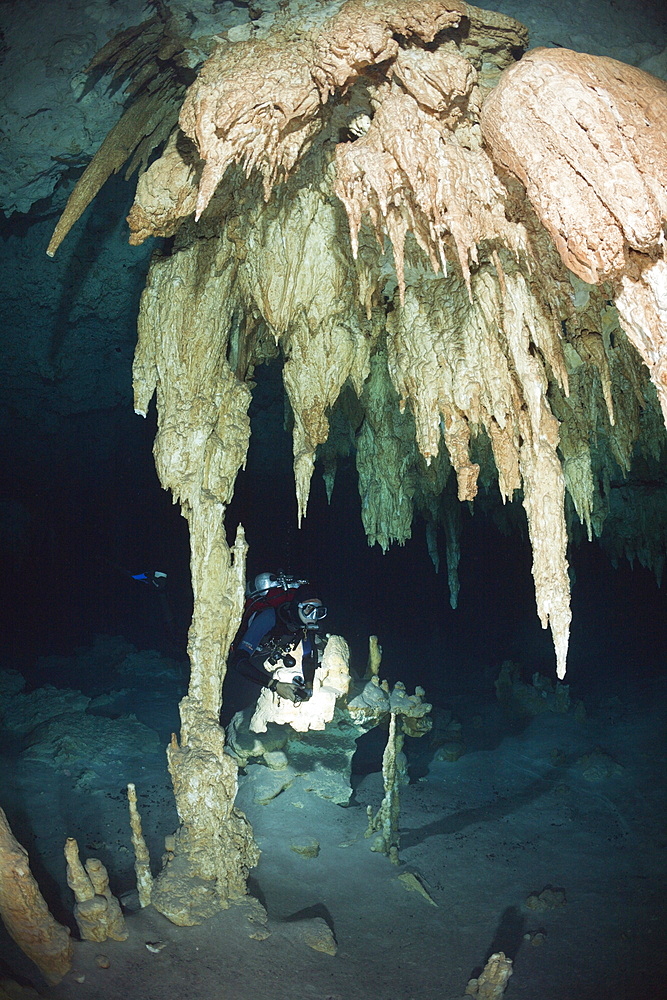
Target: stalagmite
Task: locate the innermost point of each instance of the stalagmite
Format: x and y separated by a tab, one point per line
25	914
385	821
492	983
97	911
184	328
330	682
142	859
374	658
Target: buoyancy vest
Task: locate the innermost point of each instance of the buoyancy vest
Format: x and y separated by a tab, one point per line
273	598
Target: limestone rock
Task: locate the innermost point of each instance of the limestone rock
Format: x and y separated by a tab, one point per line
309	848
548	899
596	180
322	757
245	745
599	766
24	713
97	911
588	144
266	785
413	883
449	752
73	740
542	695
331	681
11	683
317	934
142	861
276	760
449	313
493	981
10	990
256	104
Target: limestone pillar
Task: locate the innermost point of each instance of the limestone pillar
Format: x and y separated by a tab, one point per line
184	323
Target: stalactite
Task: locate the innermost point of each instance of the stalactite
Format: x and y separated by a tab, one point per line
642	306
153	55
452	522
602	198
386	457
413	172
297	274
254	104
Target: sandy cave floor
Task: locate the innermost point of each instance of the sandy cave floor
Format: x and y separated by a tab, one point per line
518	813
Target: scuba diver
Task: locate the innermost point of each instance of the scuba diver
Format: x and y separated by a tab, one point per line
154	578
155	582
281	614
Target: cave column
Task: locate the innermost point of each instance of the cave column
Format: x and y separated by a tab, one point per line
203	432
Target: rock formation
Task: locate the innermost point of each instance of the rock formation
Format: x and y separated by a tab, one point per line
142	861
330	682
453	311
586	137
318	739
345	187
97	911
25	913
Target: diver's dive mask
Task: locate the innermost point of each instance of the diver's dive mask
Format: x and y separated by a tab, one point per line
311	612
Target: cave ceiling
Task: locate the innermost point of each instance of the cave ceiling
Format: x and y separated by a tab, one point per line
455	250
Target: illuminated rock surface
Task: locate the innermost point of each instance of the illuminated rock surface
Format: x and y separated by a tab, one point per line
506	353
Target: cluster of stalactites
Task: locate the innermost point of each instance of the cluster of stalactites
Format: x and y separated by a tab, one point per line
420	168
259	103
484	361
383	251
600	126
263	104
477	349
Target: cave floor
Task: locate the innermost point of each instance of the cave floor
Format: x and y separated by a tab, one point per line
575	808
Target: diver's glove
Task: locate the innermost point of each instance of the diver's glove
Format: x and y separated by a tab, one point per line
285	690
